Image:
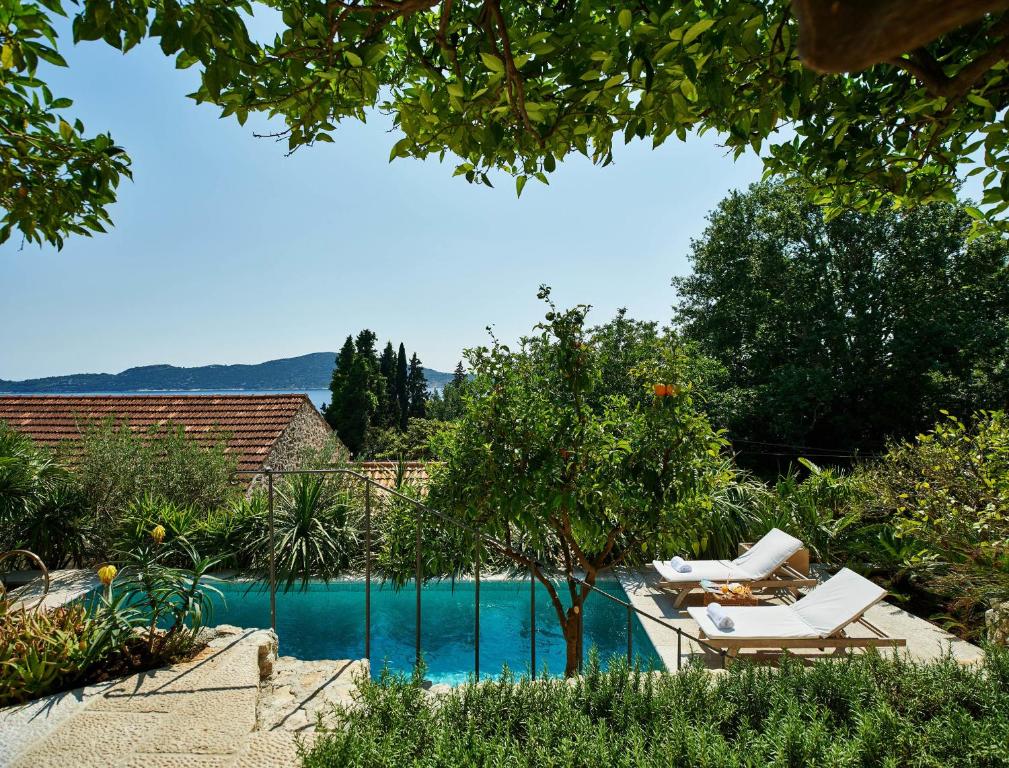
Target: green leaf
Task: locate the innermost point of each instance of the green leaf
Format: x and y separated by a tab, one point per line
624	18
520	183
353	58
399	149
492	62
696	29
65	130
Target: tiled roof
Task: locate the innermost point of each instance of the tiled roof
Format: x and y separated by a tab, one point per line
252	423
386	472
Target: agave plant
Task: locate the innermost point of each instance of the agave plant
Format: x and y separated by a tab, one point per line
46	650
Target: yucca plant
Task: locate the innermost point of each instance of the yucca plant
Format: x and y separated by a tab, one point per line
39	510
316	535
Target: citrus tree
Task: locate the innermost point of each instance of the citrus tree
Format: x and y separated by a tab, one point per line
582	449
949	490
918	88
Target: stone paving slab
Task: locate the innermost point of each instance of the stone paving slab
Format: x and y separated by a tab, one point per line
298	691
24	724
271	749
925	641
234	706
64	586
200	713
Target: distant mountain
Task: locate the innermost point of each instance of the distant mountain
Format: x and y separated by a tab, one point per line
311	371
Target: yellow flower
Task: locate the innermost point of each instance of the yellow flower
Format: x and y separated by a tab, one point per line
158	534
106	574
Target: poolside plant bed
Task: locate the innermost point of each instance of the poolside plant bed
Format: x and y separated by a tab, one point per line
858	711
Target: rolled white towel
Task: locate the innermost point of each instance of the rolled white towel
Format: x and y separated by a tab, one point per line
719	617
679	565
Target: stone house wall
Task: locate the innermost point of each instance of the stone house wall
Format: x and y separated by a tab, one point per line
308	431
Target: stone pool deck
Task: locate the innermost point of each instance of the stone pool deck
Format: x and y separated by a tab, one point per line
64	585
924	640
233	706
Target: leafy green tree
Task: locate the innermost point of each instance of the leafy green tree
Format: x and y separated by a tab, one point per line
55	179
839	333
114	465
518	87
564	442
402	391
420	441
948	490
416	388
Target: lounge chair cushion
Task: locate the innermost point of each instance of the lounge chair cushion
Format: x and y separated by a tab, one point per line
771	622
768	554
714	570
759	562
837	602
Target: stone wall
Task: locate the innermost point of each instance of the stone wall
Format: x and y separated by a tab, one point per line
307	432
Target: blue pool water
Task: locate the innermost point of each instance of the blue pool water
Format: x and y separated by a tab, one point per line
327	622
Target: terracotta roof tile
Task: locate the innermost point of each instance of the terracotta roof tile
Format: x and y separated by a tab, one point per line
251	422
386	472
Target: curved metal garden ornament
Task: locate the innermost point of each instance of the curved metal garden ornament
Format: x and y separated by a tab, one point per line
42	567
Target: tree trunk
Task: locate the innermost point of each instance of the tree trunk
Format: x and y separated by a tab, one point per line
573	640
574	626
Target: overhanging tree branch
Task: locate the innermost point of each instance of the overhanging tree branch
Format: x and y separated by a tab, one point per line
852	35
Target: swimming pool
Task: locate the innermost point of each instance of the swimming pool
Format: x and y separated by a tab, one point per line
327	622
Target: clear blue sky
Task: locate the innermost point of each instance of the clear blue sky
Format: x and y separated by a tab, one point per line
226	251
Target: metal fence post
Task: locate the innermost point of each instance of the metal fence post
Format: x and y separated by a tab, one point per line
273	553
532	620
418	578
679	650
367	571
476	620
630	647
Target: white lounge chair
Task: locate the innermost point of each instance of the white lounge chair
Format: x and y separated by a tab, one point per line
818	620
763	566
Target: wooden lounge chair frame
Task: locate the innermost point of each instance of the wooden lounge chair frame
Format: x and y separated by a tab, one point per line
839	640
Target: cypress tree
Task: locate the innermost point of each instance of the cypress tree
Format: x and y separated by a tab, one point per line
452	403
365	344
402	396
337	383
389	407
416	387
357	390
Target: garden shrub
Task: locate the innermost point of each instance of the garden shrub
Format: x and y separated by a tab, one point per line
946	495
860	711
113	466
148	614
39	508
